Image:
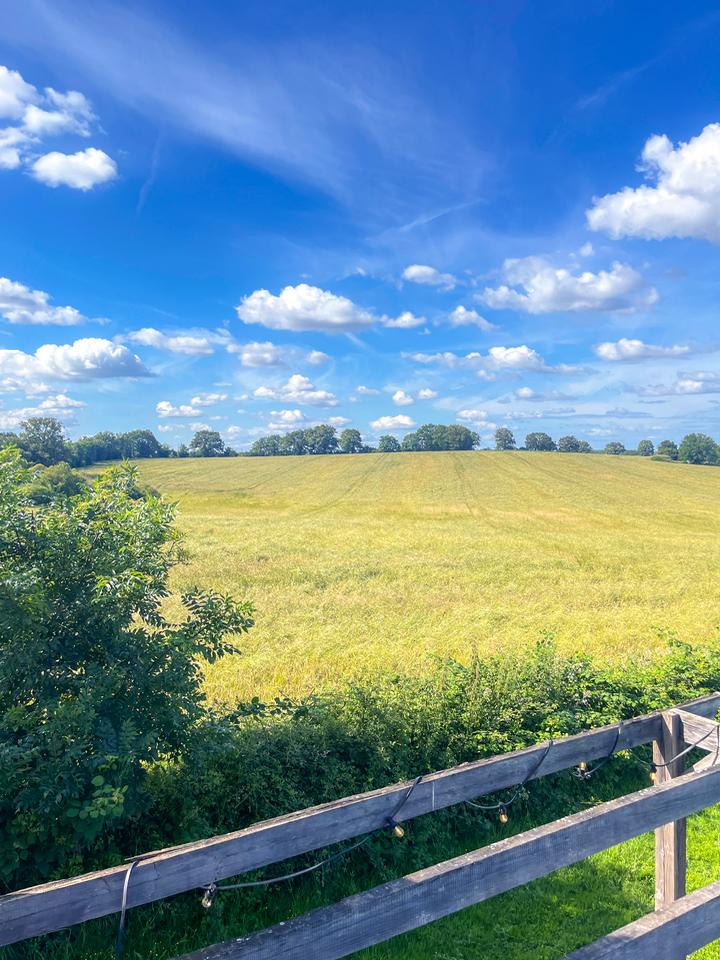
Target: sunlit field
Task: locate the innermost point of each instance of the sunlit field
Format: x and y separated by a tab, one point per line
384	560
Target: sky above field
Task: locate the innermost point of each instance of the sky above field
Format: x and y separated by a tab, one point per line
255	217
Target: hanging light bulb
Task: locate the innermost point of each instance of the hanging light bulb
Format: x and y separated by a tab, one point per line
502	813
398	831
582	766
653	772
209	897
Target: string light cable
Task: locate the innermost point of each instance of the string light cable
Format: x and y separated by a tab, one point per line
502	806
212	889
653	765
583	772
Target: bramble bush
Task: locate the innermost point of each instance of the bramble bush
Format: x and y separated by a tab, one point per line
95	683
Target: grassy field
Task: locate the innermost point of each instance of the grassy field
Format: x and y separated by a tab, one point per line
355	562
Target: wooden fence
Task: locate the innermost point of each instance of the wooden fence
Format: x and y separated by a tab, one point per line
679	925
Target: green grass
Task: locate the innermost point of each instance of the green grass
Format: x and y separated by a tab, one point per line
358	562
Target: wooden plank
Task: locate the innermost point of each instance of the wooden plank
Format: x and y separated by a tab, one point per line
679	929
377	915
54	906
699	730
671	838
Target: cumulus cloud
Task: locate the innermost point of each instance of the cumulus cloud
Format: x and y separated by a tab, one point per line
687	384
685	200
60	405
527	393
404	321
633	350
193	343
165	409
298	389
21	304
462	317
367	391
208	399
338	421
402	399
90	358
399	422
304	307
496	360
535	286
476	418
427	394
37	116
429	276
286	420
81	171
267	354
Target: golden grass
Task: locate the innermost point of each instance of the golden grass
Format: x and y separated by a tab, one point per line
362	561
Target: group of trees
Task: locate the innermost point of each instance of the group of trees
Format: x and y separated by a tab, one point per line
694	448
42	440
323	439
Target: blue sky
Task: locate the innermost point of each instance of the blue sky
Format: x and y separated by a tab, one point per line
261	216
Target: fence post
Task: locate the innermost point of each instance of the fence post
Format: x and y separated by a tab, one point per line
670	839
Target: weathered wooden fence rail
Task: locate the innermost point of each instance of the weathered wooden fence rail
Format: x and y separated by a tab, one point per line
419	898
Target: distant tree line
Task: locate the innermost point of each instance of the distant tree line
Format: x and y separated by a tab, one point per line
42	440
323	439
694	448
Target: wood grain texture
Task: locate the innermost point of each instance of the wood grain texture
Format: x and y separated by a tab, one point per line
377	915
671	838
699	730
54	906
680	929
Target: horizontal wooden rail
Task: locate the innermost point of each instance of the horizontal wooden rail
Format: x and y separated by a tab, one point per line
682	928
374	916
53	906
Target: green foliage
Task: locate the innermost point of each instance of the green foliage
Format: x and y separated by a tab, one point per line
539	441
388	444
266	446
95	683
504	439
699	448
614	448
350	441
54	482
646	448
42	440
568	444
437	436
207	443
668	448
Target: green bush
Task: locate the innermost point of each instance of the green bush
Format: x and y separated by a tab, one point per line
95	683
54	482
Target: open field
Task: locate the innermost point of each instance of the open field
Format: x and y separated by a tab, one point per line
386	559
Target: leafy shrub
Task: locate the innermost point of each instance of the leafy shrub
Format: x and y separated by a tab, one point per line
95	683
53	482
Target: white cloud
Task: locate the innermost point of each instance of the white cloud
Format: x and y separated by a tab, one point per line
399	422
427	394
286	420
90	358
405	321
496	360
527	393
208	399
21	304
165	409
429	276
200	426
534	285
338	421
267	354
39	116
629	350
60	405
81	171
15	94
402	399
476	418
462	317
687	384
367	391
298	389
586	250
304	307
685	201
193	343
